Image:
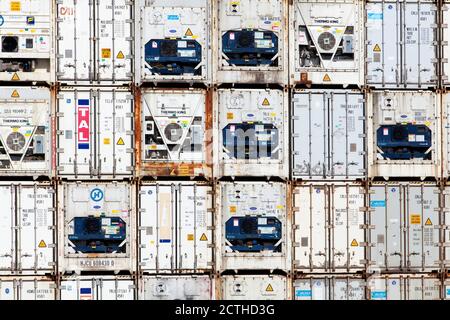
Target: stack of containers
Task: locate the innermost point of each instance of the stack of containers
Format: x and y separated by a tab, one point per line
253	223
328	149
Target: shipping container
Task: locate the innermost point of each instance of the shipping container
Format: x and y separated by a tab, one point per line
444	43
402	221
404	287
26	35
251	139
27	288
95	137
327	42
342	287
191	287
97	288
404	134
328	227
444	225
323	122
447	290
175	133
251	41
27	228
174	40
95	41
253	228
26	125
175	227
96	227
255	287
401	38
446	134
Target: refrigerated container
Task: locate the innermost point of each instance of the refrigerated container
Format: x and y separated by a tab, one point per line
255	287
95	137
445	134
401	44
328	227
403	220
27	288
95	42
327	42
444	226
443	43
340	287
251	41
96	227
175	227
404	134
175	129
251	138
26	125
27	228
328	135
97	288
253	227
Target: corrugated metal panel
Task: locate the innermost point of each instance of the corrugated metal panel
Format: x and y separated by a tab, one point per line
330	288
175	227
176	288
324	122
176	133
95	136
445	23
108	202
27	288
97	288
25	131
255	200
404	108
403	234
94	41
252	133
446	133
327	42
328	234
401	44
255	287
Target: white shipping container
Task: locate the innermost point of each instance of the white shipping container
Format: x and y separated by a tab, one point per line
253	227
96	223
94	41
446	133
444	225
330	288
95	136
404	287
27	288
257	287
251	41
176	288
174	42
176	133
26	35
323	122
445	29
404	134
27	228
252	132
97	288
26	131
328	228
327	42
175	227
401	44
402	223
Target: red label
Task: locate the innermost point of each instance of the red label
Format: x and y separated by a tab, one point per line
83	125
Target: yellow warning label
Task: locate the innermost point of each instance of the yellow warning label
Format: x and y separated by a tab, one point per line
203	238
233	209
120	55
354	243
190	237
326	77
415	218
230	116
42	244
266	102
15	77
269	288
15	94
106	141
15	6
106	53
189	33
428	222
376	48
120	142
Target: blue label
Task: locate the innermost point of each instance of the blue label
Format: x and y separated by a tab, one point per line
250	115
30	20
172	31
374	16
253	208
390	6
83	102
303	293
448	292
150	192
378	294
68	100
173	17
7	290
2	20
97	195
85	290
268	22
83	146
404	116
378	203
164	240
97	207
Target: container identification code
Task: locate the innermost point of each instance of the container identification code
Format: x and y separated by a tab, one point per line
83	124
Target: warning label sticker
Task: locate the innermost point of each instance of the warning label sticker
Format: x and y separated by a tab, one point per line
415	218
15	77
354	243
203	237
120	55
266	102
269	288
106	53
326	77
42	244
428	222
